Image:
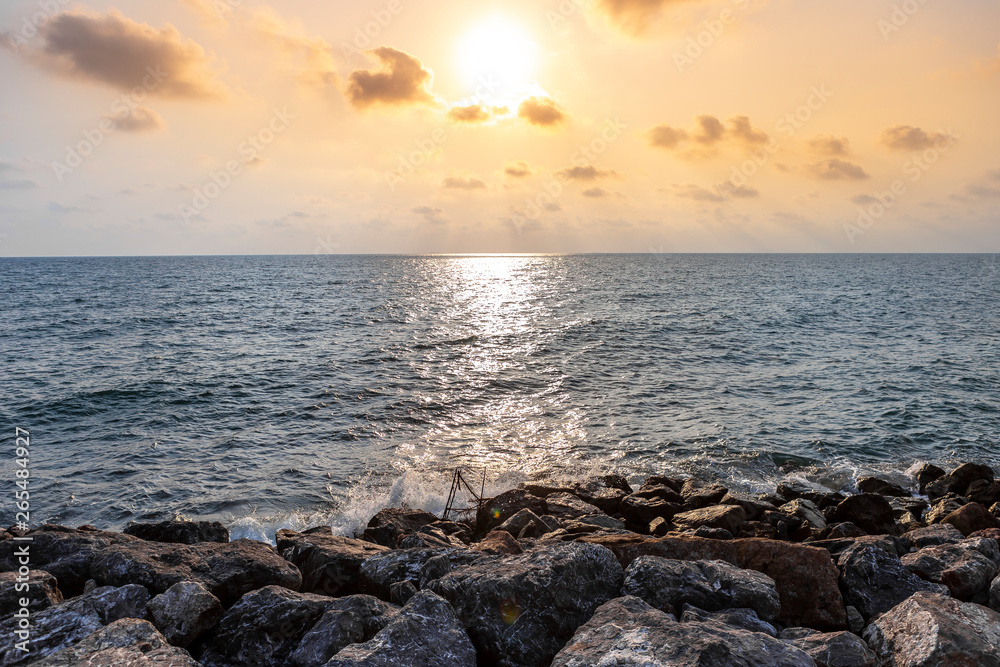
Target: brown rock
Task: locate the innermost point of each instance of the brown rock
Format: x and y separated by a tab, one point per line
329	563
179	532
942	507
984	492
926	474
871	513
41	592
971	518
989	533
497	510
567	506
391	523
726	517
881	487
498	542
638	511
698	494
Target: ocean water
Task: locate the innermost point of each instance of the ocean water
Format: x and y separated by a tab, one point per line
271	392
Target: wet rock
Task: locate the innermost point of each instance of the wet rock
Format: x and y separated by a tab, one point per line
874	580
524	608
429	537
386	527
426	633
517	523
971	518
639	512
498	542
600	521
627	632
881	487
547	488
185	612
753	508
605	497
329	564
350	620
265	626
699	494
226	570
42	592
758	529
836	649
381	571
926	474
929	630
942	507
932	536
130	642
745	619
966	568
67	623
958	480
179	532
565	506
820	495
506	505
674	483
709	585
726	517
869	512
805	510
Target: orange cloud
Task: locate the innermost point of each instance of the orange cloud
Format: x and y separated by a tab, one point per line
318	67
909	138
463	183
830	146
475	113
836	170
708	131
140	119
517	170
633	17
402	81
542	111
585	174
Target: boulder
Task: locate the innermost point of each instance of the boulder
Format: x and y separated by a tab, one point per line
517	523
266	626
381	571
805	510
401	592
967	568
179	532
547	488
497	510
835	649
928	630
350	620
881	487
607	498
926	474
932	536
498	542
971	518
746	619
227	570
42	592
426	633
660	492
984	492
709	585
822	496
753	508
329	564
627	632
874	580
726	517
524	608
958	480
638	511
429	537
699	494
65	624
871	513
995	595
185	612
391	523
841	531
129	641
709	533
566	506
944	506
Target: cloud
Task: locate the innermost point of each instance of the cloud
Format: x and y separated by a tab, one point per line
830	146
402	81
909	138
664	136
542	111
698	193
23	184
475	113
987	187
140	119
587	174
210	11
435	216
708	131
835	170
744	192
318	67
517	169
633	16
863	200
742	130
463	183
117	51
596	193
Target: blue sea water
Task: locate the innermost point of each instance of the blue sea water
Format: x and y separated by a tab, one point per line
271	392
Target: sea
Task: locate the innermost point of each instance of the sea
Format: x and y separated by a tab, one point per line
291	392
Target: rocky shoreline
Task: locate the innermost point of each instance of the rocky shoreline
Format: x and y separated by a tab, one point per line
677	572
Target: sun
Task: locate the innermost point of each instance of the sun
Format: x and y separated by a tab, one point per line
497	51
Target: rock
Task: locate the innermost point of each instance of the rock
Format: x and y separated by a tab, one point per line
932	536
970	518
429	537
179	532
709	585
127	642
942	507
964	568
660	480
659	527
639	511
874	580
524	608
627	632
386	527
498	542
820	495
995	595
65	624
350	620
758	529
958	480
545	489
726	517
426	633
185	612
565	506
434	568
227	570
753	508
515	524
698	494
329	564
746	619
41	591
265	626
381	571
871	513
989	533
842	531
855	621
929	630
984	492
710	533
836	649
881	487
661	492
401	592
599	520
926	474
507	504
607	498
805	510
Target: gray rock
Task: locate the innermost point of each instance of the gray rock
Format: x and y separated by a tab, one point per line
935	535
855	620
601	521
881	487
871	513
929	630
391	523
434	568
127	642
497	510
836	649
639	512
708	585
567	506
698	494
426	633
822	496
330	564
515	524
942	507
606	498
627	632
42	592
524	608
430	537
726	517
873	578
179	532
995	595
381	571
185	612
746	619
349	620
67	623
964	568
401	592
806	510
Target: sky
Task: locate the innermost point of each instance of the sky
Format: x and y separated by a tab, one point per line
397	126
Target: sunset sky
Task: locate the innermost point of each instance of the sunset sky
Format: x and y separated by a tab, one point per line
396	126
